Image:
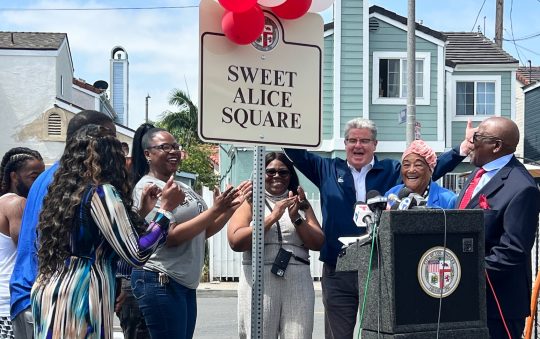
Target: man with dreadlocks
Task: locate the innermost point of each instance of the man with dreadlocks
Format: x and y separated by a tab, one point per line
19	168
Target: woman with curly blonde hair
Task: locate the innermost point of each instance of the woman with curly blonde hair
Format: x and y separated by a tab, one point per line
86	223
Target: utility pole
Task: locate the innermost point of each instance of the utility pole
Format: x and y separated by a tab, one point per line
411	72
499	22
146	112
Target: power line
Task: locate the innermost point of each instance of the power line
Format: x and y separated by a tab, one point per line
477	15
96	9
527	37
512	32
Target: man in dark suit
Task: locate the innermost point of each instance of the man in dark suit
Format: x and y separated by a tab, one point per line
343	182
504	189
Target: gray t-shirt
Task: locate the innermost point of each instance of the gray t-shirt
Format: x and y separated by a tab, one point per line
183	262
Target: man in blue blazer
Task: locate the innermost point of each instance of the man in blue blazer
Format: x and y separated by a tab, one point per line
341	184
511	201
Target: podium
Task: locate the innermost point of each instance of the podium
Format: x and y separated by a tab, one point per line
411	270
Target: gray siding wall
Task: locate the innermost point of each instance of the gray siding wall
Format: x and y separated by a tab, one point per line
352	36
532	124
391	39
328	87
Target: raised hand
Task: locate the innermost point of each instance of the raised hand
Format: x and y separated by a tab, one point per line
225	200
149	197
171	195
246	190
467	144
281	206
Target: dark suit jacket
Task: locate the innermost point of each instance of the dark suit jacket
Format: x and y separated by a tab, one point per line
510	227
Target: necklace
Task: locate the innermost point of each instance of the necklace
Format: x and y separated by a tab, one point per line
276	198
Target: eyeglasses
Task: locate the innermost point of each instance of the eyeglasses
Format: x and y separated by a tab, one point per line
168	147
354	141
271	172
480	137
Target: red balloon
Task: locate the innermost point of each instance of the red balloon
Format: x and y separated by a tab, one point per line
237	5
292	9
245	27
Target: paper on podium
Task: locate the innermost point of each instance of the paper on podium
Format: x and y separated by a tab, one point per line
349	240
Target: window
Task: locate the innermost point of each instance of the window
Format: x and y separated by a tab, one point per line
476	96
393	78
390	78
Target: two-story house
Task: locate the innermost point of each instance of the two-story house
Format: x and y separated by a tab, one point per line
39	95
459	75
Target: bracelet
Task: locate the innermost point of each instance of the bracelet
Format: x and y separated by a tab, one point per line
167	214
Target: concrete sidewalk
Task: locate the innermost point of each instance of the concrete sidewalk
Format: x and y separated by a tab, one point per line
230	289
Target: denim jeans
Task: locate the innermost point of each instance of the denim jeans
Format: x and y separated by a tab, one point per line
169	309
130	316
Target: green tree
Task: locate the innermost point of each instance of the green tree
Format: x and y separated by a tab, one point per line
198	161
182	124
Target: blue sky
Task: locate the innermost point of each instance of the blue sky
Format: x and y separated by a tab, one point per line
162	45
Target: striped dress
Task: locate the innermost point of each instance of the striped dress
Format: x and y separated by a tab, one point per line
78	301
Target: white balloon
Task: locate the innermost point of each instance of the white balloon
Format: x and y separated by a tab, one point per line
270	3
320	5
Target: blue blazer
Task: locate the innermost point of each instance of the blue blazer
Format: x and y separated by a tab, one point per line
336	184
510	227
438	196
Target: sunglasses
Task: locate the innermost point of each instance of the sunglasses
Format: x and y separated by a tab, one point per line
271	172
480	137
168	147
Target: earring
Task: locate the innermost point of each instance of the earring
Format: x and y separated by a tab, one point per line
148	160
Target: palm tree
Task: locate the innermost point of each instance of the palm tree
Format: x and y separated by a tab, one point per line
182	123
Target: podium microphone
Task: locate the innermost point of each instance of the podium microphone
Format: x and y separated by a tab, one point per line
420	202
376	203
362	214
398	201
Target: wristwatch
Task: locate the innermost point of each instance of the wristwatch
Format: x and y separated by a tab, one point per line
298	221
168	215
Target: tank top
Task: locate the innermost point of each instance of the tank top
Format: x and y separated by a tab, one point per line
8	253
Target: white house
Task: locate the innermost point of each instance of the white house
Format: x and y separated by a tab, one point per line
38	93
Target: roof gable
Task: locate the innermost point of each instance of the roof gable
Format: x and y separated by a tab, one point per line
31	40
403	20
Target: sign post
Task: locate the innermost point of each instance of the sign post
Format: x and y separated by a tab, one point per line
264	93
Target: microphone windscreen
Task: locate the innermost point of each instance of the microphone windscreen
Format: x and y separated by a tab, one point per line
404	192
372	194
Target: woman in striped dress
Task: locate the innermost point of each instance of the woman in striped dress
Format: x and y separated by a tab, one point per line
87	221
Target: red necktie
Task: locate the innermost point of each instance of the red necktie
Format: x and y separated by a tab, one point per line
472	185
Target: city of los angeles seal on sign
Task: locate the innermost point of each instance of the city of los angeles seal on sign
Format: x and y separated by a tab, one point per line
439	272
269	37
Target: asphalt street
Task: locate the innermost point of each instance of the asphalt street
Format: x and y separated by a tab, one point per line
217	316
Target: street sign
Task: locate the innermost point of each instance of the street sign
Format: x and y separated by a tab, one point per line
264	93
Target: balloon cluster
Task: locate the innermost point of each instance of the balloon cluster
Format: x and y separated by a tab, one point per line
243	21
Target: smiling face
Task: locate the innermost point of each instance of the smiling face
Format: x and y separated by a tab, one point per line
487	143
360	147
162	164
415	173
277	177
